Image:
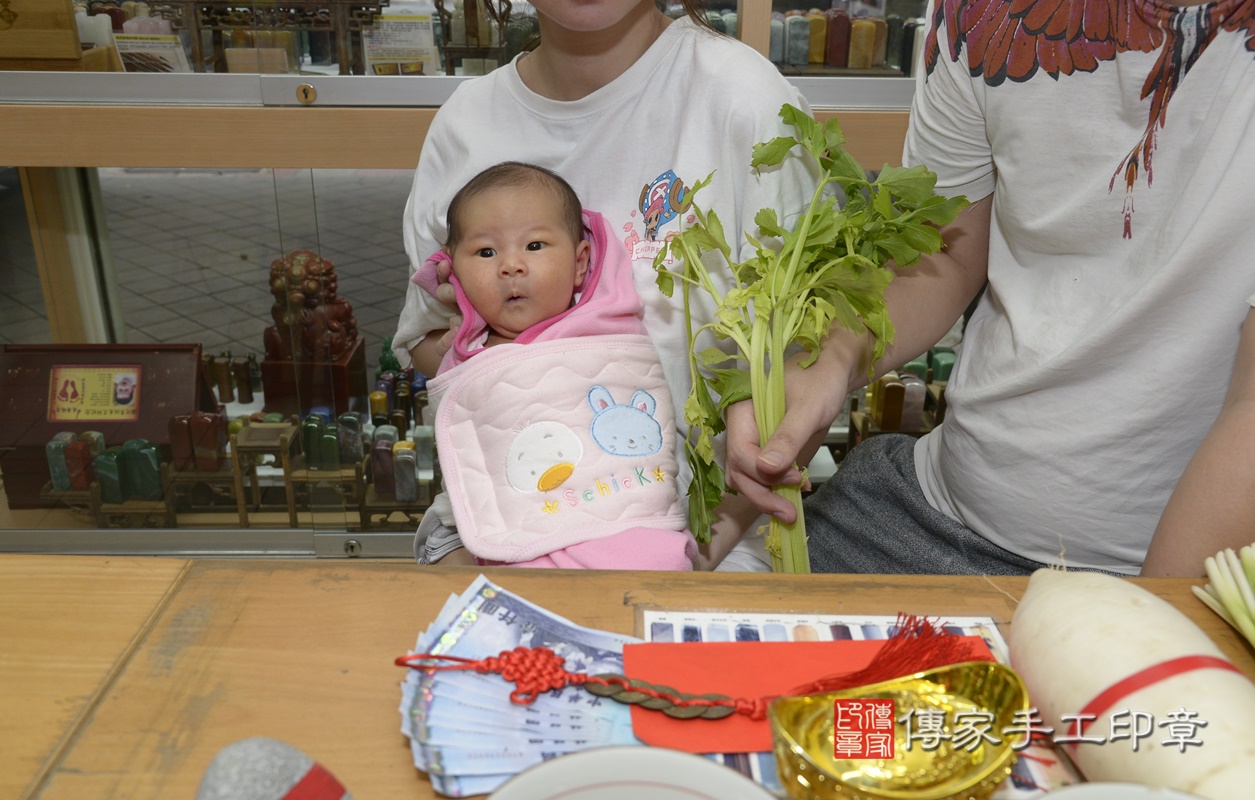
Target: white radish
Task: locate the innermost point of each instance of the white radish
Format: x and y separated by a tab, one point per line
1077	634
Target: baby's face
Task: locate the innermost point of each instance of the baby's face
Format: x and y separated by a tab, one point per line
515	258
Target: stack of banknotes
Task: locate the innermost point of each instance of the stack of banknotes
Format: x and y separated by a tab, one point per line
464	731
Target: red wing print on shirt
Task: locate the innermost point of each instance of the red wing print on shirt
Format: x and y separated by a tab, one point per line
1016	38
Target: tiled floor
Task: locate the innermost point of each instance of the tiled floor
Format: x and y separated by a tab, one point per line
22	316
191	251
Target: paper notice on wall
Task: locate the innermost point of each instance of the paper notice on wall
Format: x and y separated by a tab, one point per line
141	53
401	44
77	393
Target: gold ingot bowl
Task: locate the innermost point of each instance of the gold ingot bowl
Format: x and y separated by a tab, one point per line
935	767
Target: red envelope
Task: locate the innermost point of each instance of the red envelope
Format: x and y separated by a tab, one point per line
739	670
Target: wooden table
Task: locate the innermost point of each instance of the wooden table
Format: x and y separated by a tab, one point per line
302	651
68	624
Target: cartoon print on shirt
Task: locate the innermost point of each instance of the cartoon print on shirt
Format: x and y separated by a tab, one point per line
660	202
542	456
1010	39
625	430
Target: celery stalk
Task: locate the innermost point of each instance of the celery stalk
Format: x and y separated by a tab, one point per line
831	268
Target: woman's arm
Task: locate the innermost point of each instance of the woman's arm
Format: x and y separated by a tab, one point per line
424	319
923	301
1213	505
427	354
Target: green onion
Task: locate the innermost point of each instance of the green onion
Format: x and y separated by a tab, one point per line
1229	592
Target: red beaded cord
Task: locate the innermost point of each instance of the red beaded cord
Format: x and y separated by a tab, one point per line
917	645
534	670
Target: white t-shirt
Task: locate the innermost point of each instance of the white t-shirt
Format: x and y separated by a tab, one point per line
1097	360
693	104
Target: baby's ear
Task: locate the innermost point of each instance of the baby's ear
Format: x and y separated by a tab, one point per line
582	252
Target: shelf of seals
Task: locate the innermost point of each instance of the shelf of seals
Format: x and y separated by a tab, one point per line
342	19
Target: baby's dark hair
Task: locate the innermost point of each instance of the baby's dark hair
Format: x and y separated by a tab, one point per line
516	173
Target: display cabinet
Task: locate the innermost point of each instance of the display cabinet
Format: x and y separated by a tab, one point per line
221	21
416	37
224	181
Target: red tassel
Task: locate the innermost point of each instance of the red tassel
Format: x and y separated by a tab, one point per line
917	645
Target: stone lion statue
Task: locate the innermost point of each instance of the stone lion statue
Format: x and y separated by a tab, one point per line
312	323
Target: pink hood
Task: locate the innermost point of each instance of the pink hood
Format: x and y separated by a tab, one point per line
608	302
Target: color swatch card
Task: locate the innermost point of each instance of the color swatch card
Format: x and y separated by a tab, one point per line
666	625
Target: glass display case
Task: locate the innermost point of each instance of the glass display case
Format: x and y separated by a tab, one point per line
200	268
843	38
244	397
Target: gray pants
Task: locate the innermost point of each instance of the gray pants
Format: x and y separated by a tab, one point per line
872	517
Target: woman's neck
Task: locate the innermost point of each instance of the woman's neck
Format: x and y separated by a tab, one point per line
569	65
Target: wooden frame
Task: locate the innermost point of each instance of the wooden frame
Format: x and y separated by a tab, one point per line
52	237
289	137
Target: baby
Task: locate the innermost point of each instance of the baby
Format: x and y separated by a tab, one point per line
561	453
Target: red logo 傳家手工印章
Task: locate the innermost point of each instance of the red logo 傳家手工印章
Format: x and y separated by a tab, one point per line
862	727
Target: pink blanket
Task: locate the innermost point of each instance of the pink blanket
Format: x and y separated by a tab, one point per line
558	449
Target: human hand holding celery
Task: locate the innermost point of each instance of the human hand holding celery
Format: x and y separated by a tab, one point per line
830	268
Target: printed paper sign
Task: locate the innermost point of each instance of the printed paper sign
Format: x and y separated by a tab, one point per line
401	44
79	393
142	53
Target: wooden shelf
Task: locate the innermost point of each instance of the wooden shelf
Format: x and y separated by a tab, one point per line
385	507
132	513
348	482
73	500
220	485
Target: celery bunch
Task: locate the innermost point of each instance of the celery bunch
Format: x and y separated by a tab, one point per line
831	267
1230	593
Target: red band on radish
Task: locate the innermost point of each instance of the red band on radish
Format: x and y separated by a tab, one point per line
1119	690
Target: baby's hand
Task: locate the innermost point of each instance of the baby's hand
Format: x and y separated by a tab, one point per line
444	289
446	295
